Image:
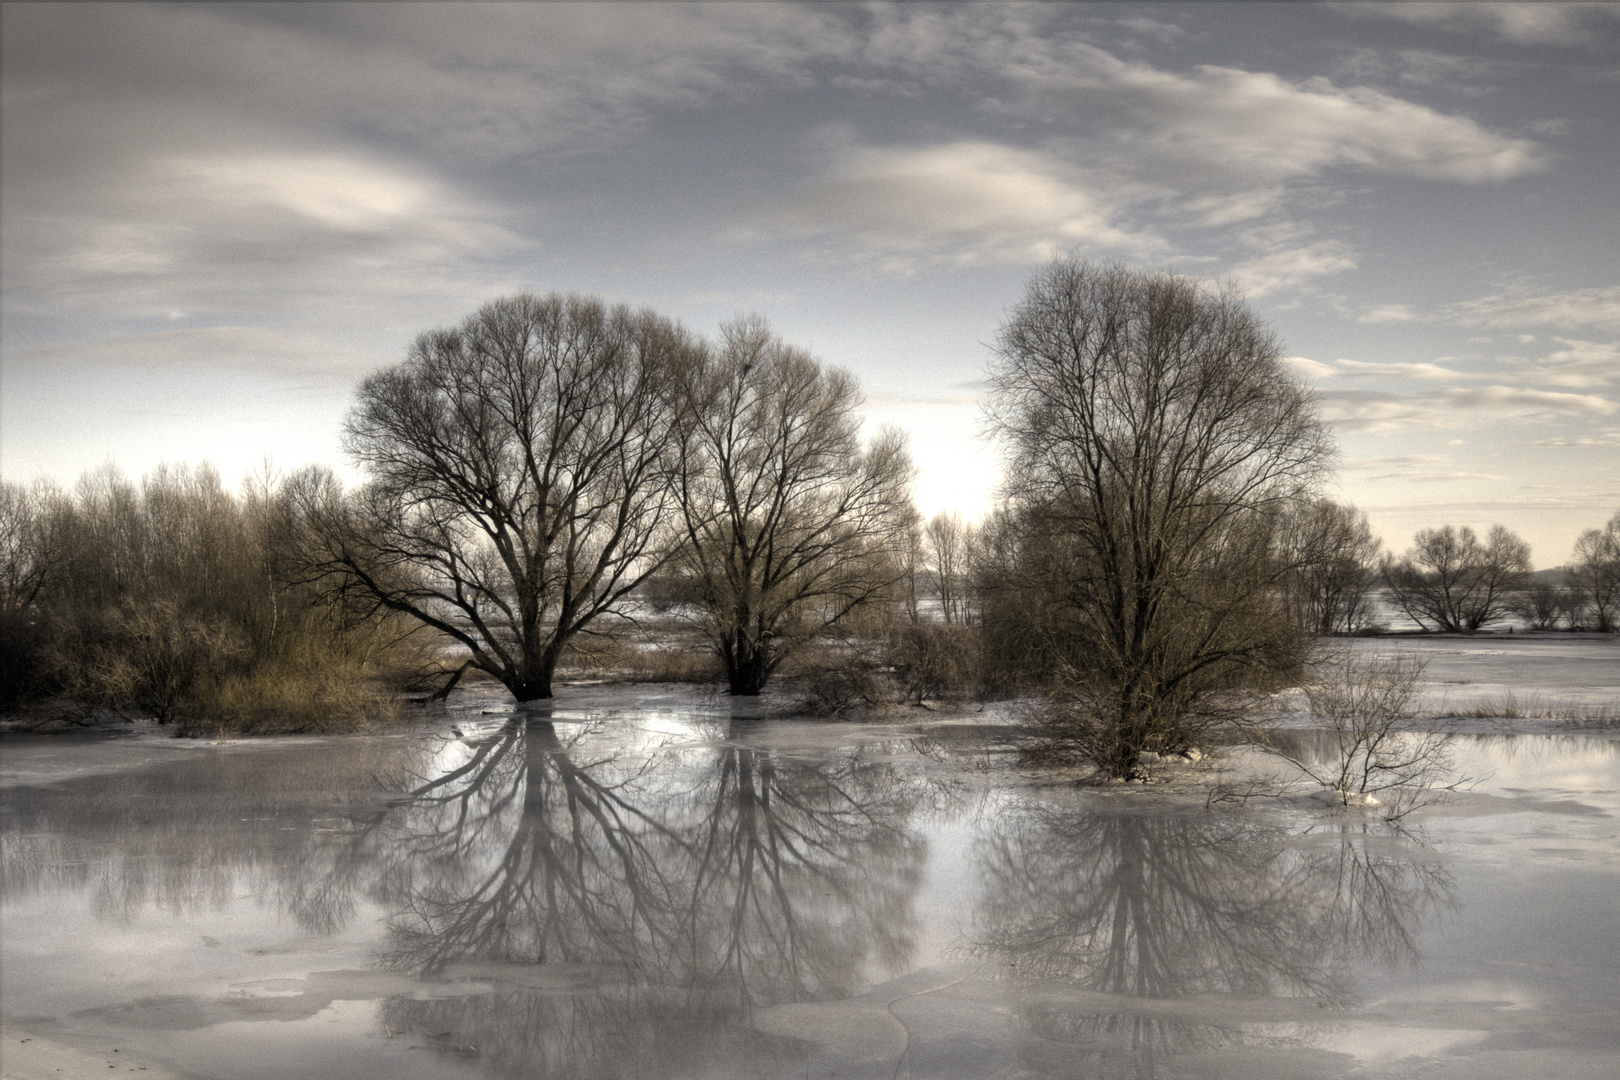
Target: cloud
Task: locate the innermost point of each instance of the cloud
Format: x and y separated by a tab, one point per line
329	190
268	229
495	81
1414	469
969	202
1422	371
1416	477
1401	461
1389	313
304	352
1257	124
1581	364
245	102
1230	207
1529	403
1363	369
1537	23
1594	307
1597	307
1311	369
879	400
1374	410
1604	437
1292	267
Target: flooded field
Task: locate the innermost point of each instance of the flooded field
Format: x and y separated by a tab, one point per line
636	883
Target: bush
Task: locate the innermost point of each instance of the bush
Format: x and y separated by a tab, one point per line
176	599
936	660
1373	757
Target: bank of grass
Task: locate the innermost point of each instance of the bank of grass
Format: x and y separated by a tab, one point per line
177	600
1510	705
878	664
661	651
311	688
207	676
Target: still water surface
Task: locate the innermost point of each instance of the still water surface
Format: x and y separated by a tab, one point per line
661	890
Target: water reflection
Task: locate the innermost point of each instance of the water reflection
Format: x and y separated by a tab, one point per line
204	828
1137	914
604	899
629	915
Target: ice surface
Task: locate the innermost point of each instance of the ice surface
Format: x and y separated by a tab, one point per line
638	883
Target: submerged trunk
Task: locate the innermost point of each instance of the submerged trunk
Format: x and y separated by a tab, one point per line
535	683
537	689
748	667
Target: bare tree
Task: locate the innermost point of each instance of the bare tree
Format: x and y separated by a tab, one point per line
1596	573
26	553
948	540
790	521
28	558
1372	753
1154	441
518	478
1542	603
1337	559
1451	581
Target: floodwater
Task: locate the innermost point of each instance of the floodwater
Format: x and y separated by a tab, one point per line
650	887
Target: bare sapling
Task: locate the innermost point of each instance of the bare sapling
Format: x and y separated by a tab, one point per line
1376	753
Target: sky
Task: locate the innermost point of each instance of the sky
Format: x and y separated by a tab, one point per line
218	218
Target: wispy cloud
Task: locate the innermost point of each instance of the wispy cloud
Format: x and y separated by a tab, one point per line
1604	437
1291	267
1593	307
310	354
1260	125
1456	407
1389	313
965	202
1414	469
1514	309
1537	23
210	235
1581	364
1360	369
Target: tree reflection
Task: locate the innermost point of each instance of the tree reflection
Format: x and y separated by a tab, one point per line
630	916
289	826
1141	913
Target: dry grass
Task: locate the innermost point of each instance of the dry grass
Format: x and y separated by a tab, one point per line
1510	706
282	698
654	653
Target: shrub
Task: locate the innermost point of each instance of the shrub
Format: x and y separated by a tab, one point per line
1373	756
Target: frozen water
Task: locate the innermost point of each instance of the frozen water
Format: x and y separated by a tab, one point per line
639	884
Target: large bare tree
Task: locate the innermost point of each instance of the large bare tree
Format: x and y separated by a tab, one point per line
518	478
1154	442
791	522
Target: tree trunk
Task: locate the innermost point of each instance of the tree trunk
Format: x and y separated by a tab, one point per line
748	669
535	689
532	680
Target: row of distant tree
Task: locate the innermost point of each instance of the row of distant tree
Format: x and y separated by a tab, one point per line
1344	582
554	473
